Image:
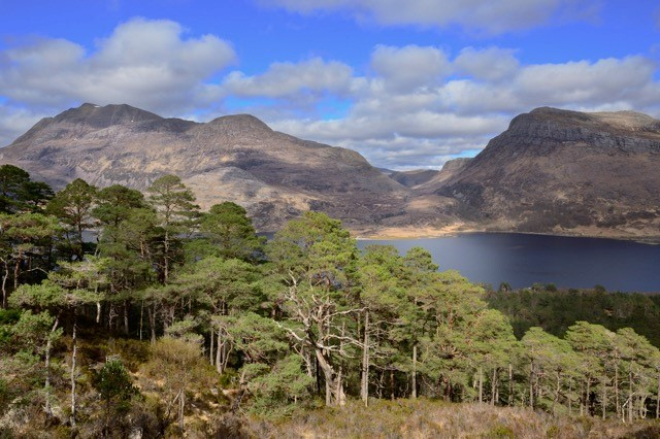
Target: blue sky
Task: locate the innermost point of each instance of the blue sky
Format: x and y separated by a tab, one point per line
407	84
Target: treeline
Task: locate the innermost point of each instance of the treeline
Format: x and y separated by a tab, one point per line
555	310
171	317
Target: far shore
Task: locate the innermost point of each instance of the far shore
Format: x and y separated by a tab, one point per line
395	233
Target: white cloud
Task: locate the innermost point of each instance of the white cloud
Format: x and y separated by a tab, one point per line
577	83
411	106
396	126
490	64
143	63
15	122
490	16
409	67
288	79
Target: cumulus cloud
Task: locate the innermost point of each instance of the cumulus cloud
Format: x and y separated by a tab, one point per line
409	67
146	63
490	16
490	64
411	106
606	80
394	126
289	79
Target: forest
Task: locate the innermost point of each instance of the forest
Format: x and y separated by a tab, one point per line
138	315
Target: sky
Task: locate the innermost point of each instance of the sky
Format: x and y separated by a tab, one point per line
408	84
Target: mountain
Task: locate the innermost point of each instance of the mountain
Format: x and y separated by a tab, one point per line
551	171
558	171
239	158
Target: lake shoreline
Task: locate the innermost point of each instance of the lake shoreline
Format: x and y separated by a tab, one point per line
405	233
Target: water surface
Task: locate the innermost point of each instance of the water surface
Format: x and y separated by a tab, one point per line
522	260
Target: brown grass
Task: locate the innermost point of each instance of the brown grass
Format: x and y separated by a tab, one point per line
428	419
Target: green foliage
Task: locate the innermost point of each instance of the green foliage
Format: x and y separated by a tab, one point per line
276	388
556	311
172	200
72	206
19	194
115	204
230	231
500	432
115	385
33	331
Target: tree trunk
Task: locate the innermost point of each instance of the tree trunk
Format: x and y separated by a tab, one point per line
617	402
126	327
587	397
339	389
493	387
307	357
219	360
81	243
211	347
414	373
166	256
334	391
4	284
630	393
151	314
531	385
557	389
49	345
73	371
481	385
17	268
364	387
511	395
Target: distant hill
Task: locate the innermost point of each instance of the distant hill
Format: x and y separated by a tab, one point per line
558	171
413	178
238	158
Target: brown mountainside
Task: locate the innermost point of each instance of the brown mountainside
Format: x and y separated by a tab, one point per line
238	158
566	172
552	171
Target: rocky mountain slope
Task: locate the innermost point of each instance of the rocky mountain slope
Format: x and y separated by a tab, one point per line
552	171
238	158
562	171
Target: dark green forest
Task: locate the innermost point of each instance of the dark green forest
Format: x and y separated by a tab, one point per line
139	315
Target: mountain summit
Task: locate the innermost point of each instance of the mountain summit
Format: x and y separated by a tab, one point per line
237	158
554	171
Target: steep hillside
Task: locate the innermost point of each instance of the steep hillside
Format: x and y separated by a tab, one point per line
552	171
238	158
565	172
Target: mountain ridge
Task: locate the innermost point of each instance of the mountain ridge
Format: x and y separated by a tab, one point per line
552	171
277	175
